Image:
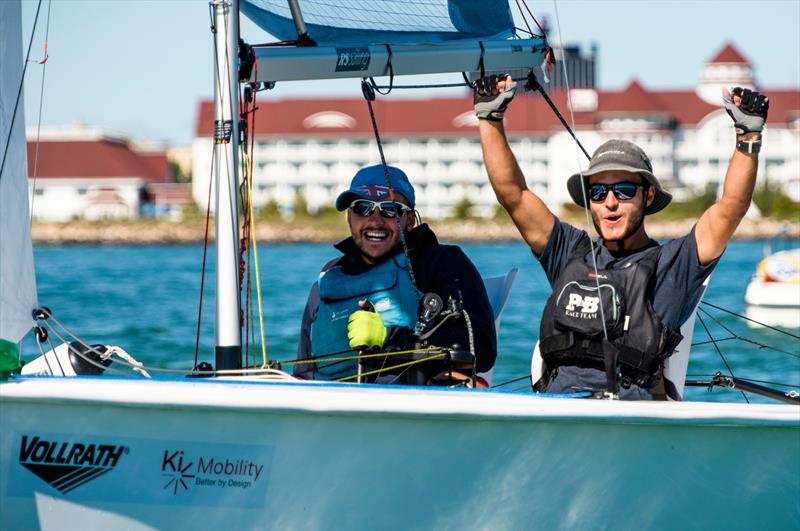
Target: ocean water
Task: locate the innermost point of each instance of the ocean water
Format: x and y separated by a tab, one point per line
145	299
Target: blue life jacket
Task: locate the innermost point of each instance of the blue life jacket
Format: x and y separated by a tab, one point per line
387	286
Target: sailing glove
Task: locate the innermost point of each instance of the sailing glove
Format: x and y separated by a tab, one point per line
751	113
365	329
490	103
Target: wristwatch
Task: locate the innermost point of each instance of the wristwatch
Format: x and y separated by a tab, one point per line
749	146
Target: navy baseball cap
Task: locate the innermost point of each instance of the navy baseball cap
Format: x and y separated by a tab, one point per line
371	183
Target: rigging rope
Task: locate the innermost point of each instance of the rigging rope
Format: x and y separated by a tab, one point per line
582	180
751	320
716	347
205	255
251	112
369	95
43	62
736	336
524	3
386	369
19	91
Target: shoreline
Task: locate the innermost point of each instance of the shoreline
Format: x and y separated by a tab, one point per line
149	232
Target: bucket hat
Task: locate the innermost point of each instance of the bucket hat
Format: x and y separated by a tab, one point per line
620	155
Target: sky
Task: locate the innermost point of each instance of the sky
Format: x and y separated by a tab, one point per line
141	67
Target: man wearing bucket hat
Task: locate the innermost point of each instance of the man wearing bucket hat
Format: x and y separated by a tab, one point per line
618	302
367	298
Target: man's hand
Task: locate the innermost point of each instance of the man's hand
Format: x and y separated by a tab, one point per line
365	328
747	108
492	96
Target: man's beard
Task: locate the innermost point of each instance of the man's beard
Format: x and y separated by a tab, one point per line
634	222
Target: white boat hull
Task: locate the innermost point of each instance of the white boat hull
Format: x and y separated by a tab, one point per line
773	294
304	456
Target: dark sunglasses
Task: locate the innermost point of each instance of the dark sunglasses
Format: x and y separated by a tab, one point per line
623	191
387	209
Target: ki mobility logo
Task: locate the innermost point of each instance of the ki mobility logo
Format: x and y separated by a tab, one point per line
68	465
207	471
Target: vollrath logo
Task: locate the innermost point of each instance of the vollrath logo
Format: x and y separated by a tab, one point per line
68	465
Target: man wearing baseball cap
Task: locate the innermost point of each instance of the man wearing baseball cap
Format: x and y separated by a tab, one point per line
367	298
618	302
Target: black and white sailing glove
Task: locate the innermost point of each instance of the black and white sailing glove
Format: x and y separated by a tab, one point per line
751	113
490	103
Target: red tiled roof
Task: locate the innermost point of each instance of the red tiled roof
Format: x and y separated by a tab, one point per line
729	54
530	114
633	99
158	164
94	158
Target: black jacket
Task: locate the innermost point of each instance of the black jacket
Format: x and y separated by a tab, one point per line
441	269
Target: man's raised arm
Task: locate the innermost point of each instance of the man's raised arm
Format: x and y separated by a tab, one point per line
717	224
531	216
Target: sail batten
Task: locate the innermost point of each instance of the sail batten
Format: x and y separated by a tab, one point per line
17	278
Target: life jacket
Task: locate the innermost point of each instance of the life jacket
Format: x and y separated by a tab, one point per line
387	286
571	331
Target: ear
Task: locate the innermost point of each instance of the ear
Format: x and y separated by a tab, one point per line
412	219
651	195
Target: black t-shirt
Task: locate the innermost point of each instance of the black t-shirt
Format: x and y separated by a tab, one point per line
679	274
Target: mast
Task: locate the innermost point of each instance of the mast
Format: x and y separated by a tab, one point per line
228	351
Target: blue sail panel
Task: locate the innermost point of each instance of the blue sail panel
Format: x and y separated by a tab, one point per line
385	21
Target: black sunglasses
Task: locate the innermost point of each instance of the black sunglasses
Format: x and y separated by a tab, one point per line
623	191
387	209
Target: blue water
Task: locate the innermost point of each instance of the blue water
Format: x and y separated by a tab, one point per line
145	299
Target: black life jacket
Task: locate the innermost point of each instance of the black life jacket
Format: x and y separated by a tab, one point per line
571	331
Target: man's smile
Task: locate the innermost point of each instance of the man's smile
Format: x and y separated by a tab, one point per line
375	235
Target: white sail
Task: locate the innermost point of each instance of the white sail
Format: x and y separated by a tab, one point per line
17	278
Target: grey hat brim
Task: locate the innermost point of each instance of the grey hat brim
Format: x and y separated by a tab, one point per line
660	201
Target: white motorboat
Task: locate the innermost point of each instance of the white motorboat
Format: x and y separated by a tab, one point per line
773	294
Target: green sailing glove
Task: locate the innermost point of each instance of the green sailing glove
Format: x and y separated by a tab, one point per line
365	330
9	359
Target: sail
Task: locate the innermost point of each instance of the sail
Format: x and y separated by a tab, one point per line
17	278
385	21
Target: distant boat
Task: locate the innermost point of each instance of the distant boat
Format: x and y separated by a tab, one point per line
773	294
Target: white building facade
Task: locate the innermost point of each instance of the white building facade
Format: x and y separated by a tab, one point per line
313	147
91	174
